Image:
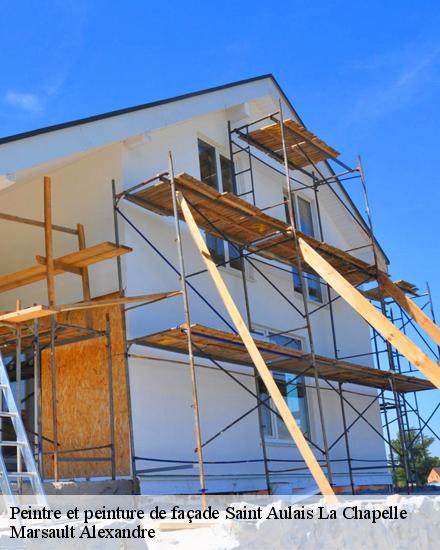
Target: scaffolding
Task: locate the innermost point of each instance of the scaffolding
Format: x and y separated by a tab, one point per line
261	241
28	332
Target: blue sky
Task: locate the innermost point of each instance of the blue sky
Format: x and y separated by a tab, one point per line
364	76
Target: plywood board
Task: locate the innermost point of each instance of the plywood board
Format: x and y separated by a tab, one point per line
82	398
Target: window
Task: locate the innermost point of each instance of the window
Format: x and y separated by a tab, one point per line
216	171
304	214
305	217
293	391
208	164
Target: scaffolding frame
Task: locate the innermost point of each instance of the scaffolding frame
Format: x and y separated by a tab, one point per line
397	402
24	336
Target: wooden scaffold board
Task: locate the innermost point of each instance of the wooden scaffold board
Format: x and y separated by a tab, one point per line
376	319
229	348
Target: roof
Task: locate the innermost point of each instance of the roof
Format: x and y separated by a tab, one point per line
152	104
145	106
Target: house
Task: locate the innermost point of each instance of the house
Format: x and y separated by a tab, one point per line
434	476
132	417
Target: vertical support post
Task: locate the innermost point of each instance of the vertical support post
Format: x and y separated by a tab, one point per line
293	225
50	277
116	229
48	239
121	293
384	312
195	400
111	412
38	441
248	311
384	406
54	397
257	391
335	346
18	391
84	273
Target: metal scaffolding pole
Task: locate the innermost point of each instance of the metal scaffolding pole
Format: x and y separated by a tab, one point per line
384	312
38	439
293	224
335	347
195	399
111	412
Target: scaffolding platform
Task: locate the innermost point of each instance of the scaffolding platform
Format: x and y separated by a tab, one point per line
226	216
228	347
377	292
303	147
72	262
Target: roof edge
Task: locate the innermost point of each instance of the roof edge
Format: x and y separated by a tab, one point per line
133	109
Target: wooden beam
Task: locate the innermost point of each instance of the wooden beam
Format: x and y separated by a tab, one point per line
256	356
36	223
85	274
59	266
79	258
50	269
360	304
84	270
35	312
26	314
410	307
146	298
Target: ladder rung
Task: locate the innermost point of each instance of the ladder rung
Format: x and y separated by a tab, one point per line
21	474
4	414
11	443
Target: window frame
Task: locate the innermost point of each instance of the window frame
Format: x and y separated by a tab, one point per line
228	259
307	275
274	436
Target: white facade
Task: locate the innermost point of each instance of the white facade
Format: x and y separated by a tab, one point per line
132	147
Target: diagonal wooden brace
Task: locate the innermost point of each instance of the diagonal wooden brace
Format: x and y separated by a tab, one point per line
376	319
410	307
266	376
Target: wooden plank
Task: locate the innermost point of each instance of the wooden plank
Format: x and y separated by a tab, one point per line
410	307
59	266
145	298
84	270
38	311
266	376
48	241
226	215
302	145
80	258
35	223
27	314
228	347
360	304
